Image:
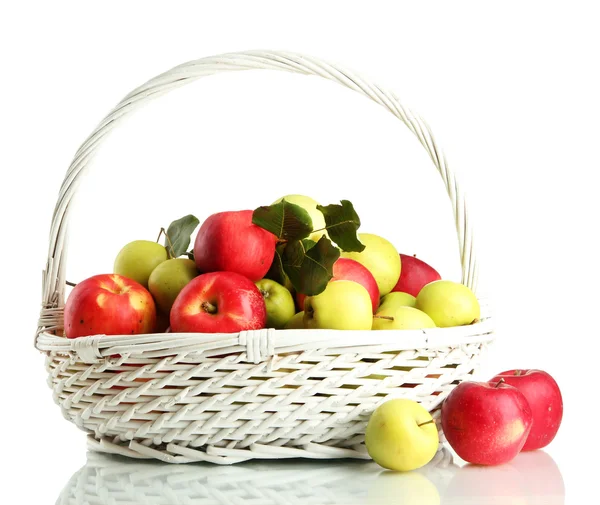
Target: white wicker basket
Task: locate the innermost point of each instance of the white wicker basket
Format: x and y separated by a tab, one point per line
227	398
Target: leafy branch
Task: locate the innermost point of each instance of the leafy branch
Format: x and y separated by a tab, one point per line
306	264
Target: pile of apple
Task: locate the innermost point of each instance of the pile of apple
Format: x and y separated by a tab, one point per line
486	423
291	265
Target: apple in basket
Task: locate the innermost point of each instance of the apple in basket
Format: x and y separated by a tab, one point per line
381	258
278	301
229	241
544	398
415	274
351	270
109	304
218	302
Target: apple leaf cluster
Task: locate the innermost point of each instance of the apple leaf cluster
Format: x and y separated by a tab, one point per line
306	264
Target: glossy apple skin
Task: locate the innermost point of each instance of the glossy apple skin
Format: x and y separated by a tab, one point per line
345	269
414	274
486	423
544	398
237	304
109	304
229	242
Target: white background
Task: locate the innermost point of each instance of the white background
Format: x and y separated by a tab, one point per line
511	91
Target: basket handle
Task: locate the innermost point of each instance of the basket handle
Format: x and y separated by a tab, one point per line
54	273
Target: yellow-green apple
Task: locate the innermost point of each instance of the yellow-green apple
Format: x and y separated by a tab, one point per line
448	303
414	275
544	398
278	301
138	259
230	242
168	279
109	304
351	270
344	305
486	423
310	206
398	299
401	435
381	258
218	302
401	318
296	322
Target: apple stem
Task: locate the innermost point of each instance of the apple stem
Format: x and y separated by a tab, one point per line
69	283
518	372
501	381
209	307
427	422
170	248
389	318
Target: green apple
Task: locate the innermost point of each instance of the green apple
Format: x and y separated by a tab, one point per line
279	302
296	322
168	279
401	435
401	318
310	206
398	299
344	305
381	258
448	303
138	259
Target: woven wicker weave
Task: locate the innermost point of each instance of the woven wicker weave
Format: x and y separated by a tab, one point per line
227	398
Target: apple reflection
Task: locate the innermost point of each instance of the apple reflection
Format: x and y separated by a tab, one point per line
532	478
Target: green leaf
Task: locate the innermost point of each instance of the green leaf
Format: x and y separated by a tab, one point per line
179	235
342	222
285	220
309	265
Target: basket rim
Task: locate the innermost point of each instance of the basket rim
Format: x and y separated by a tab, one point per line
260	346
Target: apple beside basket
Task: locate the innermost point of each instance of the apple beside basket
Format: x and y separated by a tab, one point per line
226	398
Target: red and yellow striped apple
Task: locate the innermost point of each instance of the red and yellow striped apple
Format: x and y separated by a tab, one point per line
544	398
486	423
218	302
109	304
415	274
230	242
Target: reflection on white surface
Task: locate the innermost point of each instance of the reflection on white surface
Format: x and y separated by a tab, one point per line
532	478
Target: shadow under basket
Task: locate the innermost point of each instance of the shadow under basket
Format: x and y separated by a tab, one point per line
270	394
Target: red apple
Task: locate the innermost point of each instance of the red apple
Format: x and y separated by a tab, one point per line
109	304
229	242
414	274
544	398
351	270
486	423
218	302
